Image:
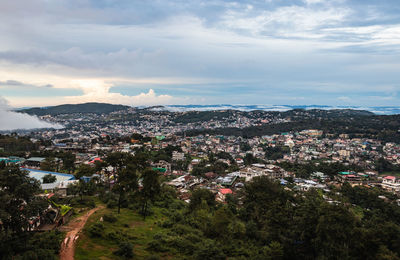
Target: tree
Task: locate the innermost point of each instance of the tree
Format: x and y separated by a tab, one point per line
220	223
274	251
127	181
151	188
125	250
49	164
200	195
116	160
84	170
334	232
244	147
249	159
18	203
68	160
2	165
49	178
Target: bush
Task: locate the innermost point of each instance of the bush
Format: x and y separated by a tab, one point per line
112	204
166	224
157	246
153	257
113	236
125	250
110	218
96	230
85	202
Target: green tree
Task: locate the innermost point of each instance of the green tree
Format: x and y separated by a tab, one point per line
151	188
127	182
334	232
220	222
84	170
200	195
49	178
18	203
49	164
249	159
68	160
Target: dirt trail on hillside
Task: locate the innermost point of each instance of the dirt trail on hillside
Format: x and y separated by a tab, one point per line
73	229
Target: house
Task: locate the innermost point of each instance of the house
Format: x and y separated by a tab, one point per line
391	183
221	195
319	175
350	177
34	162
38	175
165	166
177	156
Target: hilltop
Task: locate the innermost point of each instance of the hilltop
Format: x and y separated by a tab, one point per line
97	108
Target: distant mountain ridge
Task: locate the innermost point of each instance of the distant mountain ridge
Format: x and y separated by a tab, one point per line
85	108
379	110
100	108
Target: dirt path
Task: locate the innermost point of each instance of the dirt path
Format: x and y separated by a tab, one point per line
73	228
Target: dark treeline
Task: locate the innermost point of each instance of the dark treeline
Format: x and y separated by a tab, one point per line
14	144
96	108
384	128
274	223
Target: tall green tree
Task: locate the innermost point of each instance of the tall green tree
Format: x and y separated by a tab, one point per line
127	182
49	178
68	160
83	170
151	188
49	164
18	203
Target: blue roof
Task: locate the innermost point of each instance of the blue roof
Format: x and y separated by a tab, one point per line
39	174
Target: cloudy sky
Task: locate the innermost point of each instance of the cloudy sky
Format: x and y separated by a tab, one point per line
333	52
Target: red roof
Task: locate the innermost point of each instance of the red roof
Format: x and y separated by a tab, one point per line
390	178
225	191
95	160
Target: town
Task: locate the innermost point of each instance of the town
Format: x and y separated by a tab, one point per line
92	152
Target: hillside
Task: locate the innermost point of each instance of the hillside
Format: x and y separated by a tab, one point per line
98	108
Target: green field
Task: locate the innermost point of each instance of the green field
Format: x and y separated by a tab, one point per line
129	227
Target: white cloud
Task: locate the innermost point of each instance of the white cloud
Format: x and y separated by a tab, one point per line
344	98
287	21
99	91
12	120
310	2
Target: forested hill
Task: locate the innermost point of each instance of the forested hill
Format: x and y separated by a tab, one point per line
385	128
98	108
295	114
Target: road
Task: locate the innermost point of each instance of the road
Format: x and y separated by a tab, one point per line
74	228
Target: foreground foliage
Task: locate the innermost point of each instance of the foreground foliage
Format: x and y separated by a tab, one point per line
270	223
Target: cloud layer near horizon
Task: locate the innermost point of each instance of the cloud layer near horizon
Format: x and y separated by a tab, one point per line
334	52
12	120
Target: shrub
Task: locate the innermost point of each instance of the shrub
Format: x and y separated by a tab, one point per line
157	246
96	230
125	250
85	202
110	218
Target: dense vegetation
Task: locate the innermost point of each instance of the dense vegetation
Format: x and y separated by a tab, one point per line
18	205
96	108
270	223
383	128
13	144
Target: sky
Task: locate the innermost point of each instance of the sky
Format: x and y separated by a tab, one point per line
294	52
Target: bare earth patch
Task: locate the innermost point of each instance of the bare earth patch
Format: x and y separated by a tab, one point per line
74	228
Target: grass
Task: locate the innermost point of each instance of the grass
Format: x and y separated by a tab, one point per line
130	226
394	173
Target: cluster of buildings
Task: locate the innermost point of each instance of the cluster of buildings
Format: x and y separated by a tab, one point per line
90	136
